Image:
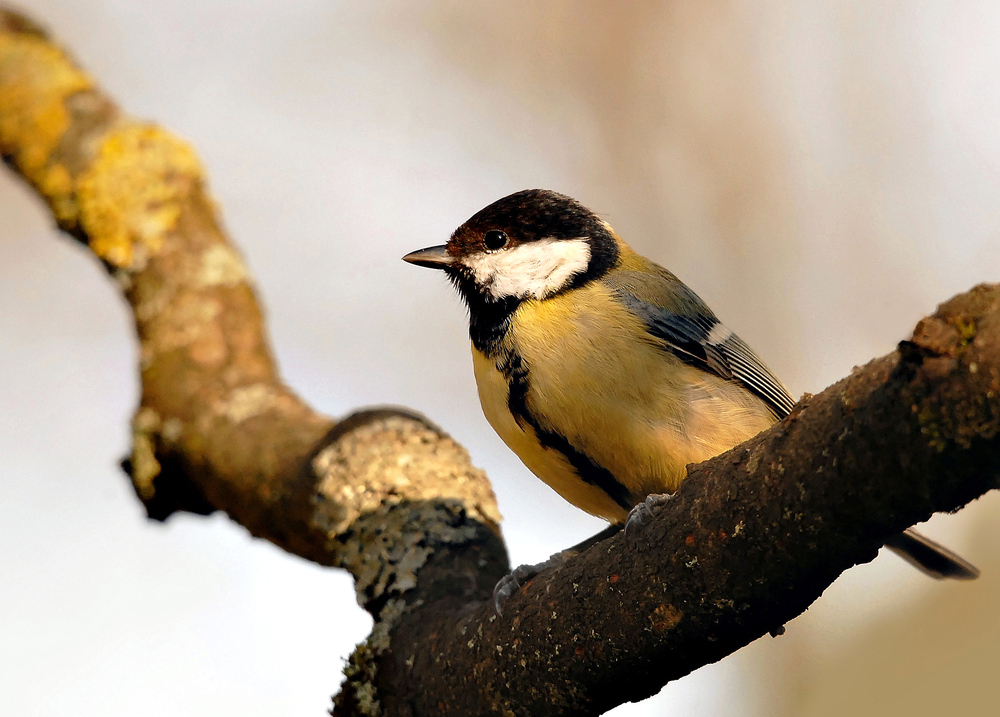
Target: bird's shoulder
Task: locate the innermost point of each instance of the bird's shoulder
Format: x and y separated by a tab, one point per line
652	284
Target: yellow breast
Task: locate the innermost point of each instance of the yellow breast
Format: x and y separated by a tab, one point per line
624	402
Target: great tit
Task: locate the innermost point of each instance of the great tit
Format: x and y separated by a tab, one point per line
601	370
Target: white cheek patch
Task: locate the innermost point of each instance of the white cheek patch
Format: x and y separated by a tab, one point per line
533	270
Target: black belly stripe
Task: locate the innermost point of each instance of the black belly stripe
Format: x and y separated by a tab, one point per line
513	368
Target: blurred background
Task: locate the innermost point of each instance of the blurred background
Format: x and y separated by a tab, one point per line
822	173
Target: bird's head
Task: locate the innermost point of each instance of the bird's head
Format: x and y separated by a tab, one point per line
529	245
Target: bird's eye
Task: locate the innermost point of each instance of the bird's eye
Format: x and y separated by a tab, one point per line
494	240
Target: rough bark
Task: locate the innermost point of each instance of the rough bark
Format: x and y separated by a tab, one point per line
752	538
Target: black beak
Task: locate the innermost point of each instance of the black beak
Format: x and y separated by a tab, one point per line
433	257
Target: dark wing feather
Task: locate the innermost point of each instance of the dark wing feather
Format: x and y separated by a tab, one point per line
751	372
690	331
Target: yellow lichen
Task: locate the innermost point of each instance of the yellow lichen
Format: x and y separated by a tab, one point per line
57	185
36	77
145	467
966	328
131	195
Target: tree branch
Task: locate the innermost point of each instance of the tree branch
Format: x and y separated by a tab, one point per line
752	538
216	428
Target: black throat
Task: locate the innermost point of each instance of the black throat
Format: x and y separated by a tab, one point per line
489	318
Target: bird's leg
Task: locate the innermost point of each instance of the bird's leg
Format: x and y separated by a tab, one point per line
638	515
513	581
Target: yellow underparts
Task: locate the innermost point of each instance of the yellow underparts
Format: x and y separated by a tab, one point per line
620	399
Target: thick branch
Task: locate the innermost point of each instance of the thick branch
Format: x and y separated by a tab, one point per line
752	538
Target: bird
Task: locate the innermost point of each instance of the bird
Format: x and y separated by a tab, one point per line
602	370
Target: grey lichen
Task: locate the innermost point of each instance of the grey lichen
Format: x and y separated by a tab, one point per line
384	549
173	429
361	668
360	680
394	459
221	266
245	402
389	492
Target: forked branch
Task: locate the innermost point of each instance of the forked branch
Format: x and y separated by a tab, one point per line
753	537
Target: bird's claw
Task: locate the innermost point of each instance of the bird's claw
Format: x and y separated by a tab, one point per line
512	582
638	515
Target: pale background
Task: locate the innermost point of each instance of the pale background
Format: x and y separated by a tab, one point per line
823	173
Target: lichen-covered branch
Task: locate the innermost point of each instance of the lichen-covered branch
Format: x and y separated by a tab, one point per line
217	429
752	538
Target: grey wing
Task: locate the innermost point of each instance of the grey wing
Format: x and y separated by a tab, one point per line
692	333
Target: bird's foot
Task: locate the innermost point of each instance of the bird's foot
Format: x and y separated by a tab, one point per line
511	583
638	515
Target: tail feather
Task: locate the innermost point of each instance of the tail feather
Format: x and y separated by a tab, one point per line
929	557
